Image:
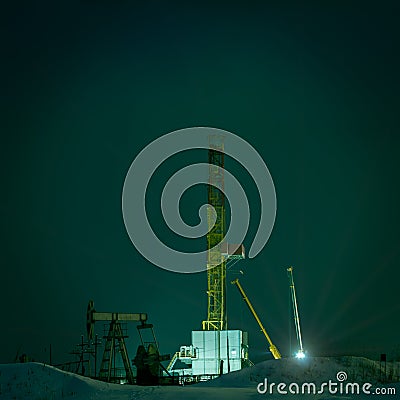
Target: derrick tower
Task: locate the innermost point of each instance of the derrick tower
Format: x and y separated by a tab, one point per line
216	264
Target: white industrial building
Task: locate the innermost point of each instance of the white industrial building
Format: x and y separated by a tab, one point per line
211	354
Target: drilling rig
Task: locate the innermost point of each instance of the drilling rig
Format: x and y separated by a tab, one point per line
215	350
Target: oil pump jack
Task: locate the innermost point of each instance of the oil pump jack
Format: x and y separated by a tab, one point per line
148	358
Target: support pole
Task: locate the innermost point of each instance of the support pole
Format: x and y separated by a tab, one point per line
295	310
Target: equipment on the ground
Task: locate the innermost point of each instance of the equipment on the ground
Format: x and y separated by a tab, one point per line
273	349
115	341
149	370
214	349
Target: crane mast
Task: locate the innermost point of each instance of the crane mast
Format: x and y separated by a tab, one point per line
300	353
216	264
273	349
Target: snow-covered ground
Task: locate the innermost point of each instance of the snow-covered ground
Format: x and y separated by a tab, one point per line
36	381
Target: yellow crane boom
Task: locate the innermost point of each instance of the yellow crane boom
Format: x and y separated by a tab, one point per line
272	347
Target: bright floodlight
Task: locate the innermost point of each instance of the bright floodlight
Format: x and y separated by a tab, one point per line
300	354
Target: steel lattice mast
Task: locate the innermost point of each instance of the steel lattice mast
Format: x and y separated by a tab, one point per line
216	264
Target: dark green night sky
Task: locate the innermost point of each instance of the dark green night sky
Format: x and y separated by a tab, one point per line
315	89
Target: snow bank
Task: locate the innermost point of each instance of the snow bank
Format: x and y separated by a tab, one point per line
42	382
310	369
36	381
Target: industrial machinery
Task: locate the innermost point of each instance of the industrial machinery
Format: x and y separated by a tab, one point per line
115	341
212	353
300	352
149	370
273	349
214	350
219	253
216	264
